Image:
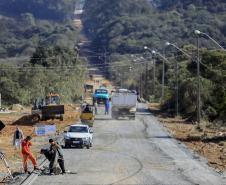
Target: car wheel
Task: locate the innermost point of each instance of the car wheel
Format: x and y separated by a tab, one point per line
88	146
82	146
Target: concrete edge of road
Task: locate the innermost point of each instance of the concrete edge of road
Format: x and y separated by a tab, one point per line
31	178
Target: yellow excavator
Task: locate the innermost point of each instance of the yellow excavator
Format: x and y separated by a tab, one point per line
48	108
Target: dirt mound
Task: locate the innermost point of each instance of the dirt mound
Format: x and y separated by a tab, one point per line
72	112
17	107
71	107
27	120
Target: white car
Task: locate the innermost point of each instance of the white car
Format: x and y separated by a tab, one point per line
78	135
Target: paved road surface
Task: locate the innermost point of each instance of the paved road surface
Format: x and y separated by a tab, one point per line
133	152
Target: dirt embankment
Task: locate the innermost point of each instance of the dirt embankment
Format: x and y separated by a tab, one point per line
27	124
208	141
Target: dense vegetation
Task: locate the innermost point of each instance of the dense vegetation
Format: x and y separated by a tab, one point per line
27	24
41	9
42	30
51	69
125	27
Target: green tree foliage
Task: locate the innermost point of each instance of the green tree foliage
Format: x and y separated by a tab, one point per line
44	31
213	76
36	79
126	26
25	24
42	9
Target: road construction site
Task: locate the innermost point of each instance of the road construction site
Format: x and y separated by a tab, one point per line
24	120
152	149
140	151
133	152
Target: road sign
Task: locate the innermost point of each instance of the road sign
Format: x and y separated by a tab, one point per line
43	130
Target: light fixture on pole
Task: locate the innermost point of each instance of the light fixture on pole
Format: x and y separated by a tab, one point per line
163	68
199	33
177	68
175	46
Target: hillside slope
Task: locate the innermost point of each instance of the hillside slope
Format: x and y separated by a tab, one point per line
129	24
27	24
125	27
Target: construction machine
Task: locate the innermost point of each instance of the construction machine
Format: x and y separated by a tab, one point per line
48	107
88	93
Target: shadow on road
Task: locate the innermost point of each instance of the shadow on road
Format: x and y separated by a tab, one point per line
160	137
143	110
103	119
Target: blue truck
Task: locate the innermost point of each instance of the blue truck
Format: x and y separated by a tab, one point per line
101	95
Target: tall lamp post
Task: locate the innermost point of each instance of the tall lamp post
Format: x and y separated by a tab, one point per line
177	73
163	68
198	34
199	83
154	73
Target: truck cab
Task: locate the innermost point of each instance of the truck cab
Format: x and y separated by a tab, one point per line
101	95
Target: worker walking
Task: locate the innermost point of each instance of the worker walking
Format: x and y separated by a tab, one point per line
18	136
107	106
96	107
56	153
27	155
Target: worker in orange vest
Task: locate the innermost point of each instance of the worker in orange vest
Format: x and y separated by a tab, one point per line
27	155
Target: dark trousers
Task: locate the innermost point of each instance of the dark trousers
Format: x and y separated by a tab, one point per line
61	164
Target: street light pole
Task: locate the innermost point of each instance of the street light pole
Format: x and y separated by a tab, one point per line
163	79
198	34
199	84
146	80
141	89
177	87
163	76
154	74
177	76
163	69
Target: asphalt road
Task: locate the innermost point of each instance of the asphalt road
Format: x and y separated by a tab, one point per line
133	152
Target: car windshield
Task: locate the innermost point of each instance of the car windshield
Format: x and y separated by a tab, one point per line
101	91
78	129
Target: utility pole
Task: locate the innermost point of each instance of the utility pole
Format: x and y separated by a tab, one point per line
105	56
199	85
141	93
154	77
146	80
77	53
176	88
163	80
163	75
